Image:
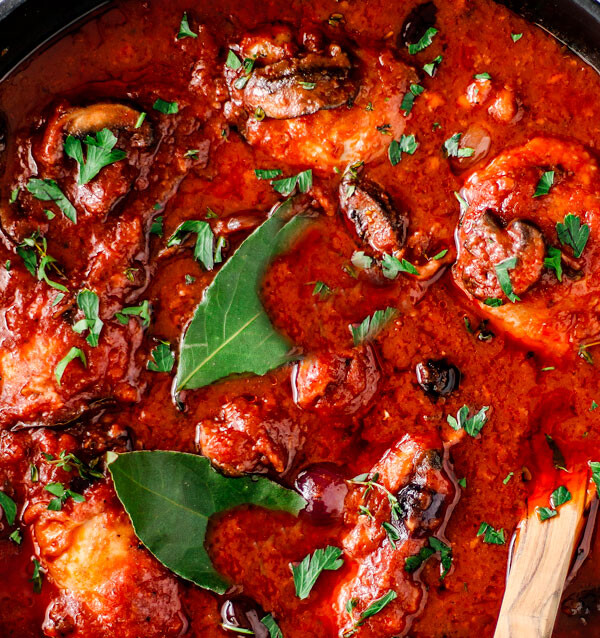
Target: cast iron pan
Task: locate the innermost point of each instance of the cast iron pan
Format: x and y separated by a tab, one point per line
25	25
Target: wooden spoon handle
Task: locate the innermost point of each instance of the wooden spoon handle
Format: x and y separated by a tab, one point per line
538	571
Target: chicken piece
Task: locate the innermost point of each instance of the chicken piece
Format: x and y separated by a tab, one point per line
370	209
503	219
411	494
249	437
337	382
321	99
107	581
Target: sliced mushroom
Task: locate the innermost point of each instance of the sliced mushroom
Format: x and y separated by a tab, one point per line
81	121
488	244
301	86
371	210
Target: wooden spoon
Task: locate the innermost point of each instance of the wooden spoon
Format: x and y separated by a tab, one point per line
540	566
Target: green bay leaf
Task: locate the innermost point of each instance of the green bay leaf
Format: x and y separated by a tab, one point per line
230	331
170	498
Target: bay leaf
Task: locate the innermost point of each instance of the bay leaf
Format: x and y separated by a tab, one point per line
170	498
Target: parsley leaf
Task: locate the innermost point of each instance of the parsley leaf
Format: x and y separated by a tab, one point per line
89	304
406	144
451	145
142	311
360	260
370	326
424	42
61	494
408	101
595	468
184	29
37	577
544	513
167	108
73	353
29	250
445	554
560	496
306	573
493	302
431	67
321	289
269	622
377	605
233	62
391	266
573	233
100	153
68	462
471	425
490	535
464	205
9	507
287	185
463	482
516	36
267	173
204	250
482	76
47	190
554	261
507	478
16	537
163	358
441	254
157	226
504	278
545	184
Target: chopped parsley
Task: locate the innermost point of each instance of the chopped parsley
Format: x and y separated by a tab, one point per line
452	148
482	76
267	173
440	255
167	108
269	622
13	196
407	144
516	36
163	358
233	62
89	303
142	311
360	260
464	205
508	477
286	186
595	468
321	289
462	482
370	326
61	494
38	577
573	233
554	261
35	247
140	120
306	573
504	278
594	406
493	302
472	425
247	66
47	190
189	280
73	353
9	507
68	462
391	266
7	265
432	66
16	536
184	29
157	226
100	152
204	249
545	184
410	96
491	535
544	513
560	496
424	42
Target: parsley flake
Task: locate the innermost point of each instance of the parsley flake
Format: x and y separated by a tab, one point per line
269	622
157	226
287	185
61	494
100	153
424	42
142	311
452	148
167	108
47	190
9	507
361	261
38	577
545	184
471	425
407	144
573	233
267	173
391	266
371	325
163	358
89	303
544	513
308	571
491	535
184	29
504	278
410	96
432	66
554	261
482	76
73	353
516	36
560	496
204	249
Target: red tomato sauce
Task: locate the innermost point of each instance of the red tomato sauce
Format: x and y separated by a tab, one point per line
128	53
